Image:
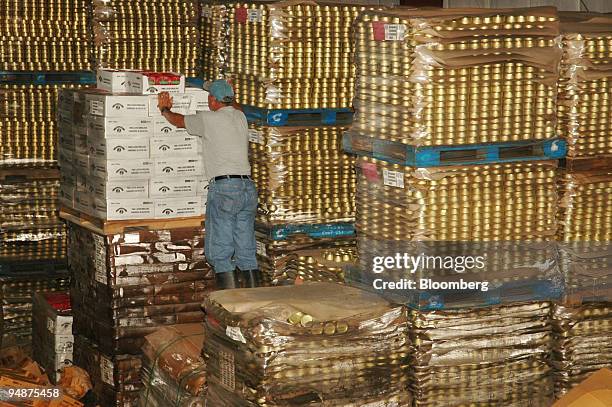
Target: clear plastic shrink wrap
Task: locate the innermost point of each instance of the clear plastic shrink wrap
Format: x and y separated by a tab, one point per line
302	175
293	54
214	32
585	85
317	343
159	36
174	373
456	76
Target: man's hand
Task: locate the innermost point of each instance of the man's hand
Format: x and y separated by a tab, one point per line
164	101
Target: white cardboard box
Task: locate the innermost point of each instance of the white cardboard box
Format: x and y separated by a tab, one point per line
178	167
60	325
177	146
67	194
101	104
83	202
81	183
152	83
161	127
121	209
118	148
173	187
103	189
199	99
122	169
110	127
113	80
178	207
64	343
80	140
80	163
181	104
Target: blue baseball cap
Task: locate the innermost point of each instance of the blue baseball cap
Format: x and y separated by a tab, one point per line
220	90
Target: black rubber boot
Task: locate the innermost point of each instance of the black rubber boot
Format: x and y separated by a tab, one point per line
251	278
226	280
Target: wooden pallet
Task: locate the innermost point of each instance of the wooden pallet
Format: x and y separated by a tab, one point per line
599	163
106	227
21	174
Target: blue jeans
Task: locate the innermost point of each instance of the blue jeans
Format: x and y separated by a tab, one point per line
230	225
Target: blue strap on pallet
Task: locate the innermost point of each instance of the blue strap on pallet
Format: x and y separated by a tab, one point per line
47	78
282	232
297	117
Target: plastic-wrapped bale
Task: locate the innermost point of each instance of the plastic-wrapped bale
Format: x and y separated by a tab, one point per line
492	356
153	36
311	343
126	285
30	229
17	291
174	373
214	31
585	85
52	339
456	76
39	35
116	379
305	259
28	125
293	55
582	342
302	174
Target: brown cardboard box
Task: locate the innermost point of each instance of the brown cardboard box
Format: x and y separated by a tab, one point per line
596	391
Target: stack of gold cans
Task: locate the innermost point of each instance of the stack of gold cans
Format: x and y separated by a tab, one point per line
490	202
456	76
30	229
302	174
292	55
582	344
494	356
28	128
159	36
315	343
214	32
42	35
585	86
16	291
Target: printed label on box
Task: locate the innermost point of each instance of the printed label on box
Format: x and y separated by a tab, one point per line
51	325
103	189
235	333
181	104
178	167
388	32
162	127
109	127
152	83
256	136
393	178
254	15
261	248
112	81
106	369
120	209
178	207
181	146
64	343
118	149
228	369
118	106
121	169
99	259
173	187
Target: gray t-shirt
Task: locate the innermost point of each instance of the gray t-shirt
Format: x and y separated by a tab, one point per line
225	140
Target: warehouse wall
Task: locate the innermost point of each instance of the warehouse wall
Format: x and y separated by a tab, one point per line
600	6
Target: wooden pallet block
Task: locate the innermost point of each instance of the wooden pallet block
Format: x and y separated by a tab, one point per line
106	227
589	163
21	174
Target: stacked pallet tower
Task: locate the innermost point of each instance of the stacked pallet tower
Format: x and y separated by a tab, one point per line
132	194
582	321
455	132
46	47
290	63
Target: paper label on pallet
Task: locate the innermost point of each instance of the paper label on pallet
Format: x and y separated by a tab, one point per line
228	369
388	32
256	136
261	248
393	178
173	187
99	259
254	15
106	370
235	333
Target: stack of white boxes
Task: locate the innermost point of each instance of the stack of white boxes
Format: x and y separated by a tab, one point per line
120	159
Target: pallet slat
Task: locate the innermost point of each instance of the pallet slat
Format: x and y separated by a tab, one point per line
104	227
433	156
298	117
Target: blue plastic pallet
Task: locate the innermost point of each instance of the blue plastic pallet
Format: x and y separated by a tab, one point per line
297	117
316	231
469	154
195	82
48	78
